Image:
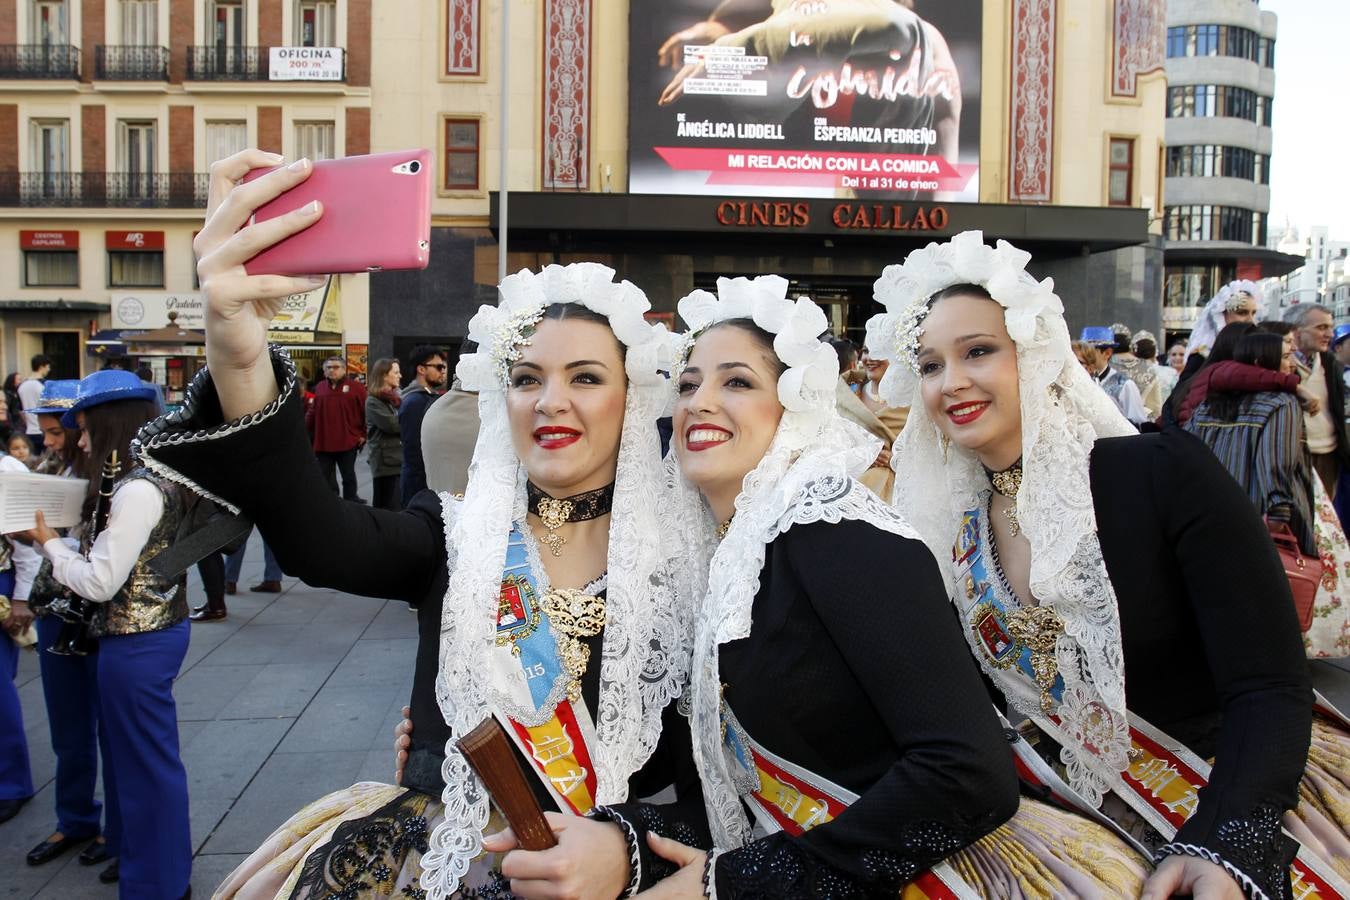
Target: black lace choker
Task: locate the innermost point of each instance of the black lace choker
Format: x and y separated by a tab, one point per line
555	513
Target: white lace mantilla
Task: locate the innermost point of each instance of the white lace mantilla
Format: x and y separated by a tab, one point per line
1063	415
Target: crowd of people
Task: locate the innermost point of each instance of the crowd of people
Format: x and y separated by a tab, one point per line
974	609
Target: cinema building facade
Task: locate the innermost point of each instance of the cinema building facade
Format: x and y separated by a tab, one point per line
680	161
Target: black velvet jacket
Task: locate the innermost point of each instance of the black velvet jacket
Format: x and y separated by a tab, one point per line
856	670
1212	649
264	465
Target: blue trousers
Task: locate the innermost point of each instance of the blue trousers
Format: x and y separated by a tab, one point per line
135	676
70	687
16	778
235	562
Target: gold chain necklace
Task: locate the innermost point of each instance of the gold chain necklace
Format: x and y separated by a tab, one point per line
1006	484
555	513
721	530
574	615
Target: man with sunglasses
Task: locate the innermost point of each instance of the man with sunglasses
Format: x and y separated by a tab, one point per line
429	364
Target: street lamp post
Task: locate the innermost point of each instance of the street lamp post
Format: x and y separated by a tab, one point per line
503	111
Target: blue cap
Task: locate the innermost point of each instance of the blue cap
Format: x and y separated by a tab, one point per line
1100	335
107	386
1342	332
58	397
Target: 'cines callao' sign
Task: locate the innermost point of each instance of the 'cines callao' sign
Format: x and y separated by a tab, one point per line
843	216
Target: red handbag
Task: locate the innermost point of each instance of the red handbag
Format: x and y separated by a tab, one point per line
1304	572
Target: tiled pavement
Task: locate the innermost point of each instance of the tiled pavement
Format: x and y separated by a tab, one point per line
293	696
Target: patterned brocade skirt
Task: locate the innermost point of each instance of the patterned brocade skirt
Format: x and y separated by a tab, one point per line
363	841
1044	851
1322	820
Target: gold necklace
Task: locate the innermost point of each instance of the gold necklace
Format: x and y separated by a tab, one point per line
574	615
555	513
721	530
1006	484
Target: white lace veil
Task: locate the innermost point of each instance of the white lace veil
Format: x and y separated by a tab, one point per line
805	476
1063	414
647	632
1210	323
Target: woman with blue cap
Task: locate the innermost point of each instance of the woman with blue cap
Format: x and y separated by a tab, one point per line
69	681
141	626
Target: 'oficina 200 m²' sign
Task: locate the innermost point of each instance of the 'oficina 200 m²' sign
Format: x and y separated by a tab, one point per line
305	64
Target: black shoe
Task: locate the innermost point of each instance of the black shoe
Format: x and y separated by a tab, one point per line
267	587
206	614
49	850
110	874
10	808
231	587
94	854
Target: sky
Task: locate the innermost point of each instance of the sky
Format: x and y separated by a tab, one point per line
1309	180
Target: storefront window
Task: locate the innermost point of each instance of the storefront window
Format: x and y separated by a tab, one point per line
136	268
51	268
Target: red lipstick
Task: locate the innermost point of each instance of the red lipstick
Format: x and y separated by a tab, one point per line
965	413
703	444
555	437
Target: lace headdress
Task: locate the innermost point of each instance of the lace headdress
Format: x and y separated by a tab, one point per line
646	642
1229	298
1063	414
805	476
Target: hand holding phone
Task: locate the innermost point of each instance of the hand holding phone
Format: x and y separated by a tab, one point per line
376	217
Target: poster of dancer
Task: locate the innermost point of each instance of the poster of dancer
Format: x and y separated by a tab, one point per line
810	98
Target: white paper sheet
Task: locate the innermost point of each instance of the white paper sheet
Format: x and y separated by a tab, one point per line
23	494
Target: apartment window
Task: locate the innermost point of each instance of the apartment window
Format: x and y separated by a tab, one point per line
316	23
224	139
461	154
1216	40
315	140
135	179
1217	100
140	23
1120	172
50	149
48	22
1214	223
51	268
227	24
49	159
135	259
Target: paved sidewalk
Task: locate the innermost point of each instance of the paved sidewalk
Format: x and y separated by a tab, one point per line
294	695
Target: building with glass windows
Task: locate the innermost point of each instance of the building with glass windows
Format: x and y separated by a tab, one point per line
809	140
1221	88
111	113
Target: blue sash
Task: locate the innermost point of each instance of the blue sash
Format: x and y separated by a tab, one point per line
520	616
985	602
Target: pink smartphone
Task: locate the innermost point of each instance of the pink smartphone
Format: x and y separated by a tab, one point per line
376	216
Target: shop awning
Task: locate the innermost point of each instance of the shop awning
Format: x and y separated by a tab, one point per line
108	342
57	305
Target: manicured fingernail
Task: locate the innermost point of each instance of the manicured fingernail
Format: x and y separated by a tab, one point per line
299	165
310	208
316	280
276	157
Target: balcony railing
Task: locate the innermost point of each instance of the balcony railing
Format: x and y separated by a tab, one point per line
131	63
39	61
227	63
114	190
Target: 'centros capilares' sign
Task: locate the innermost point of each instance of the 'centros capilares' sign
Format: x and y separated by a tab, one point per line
805	98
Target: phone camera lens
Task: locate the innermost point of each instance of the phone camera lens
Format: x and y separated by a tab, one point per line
414	167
